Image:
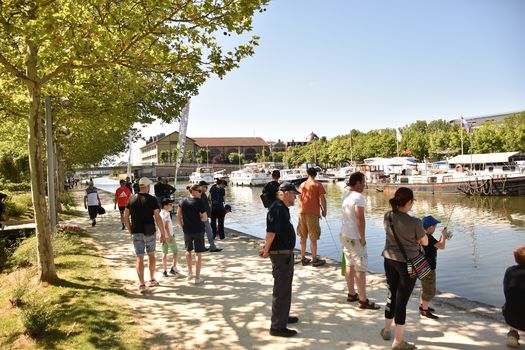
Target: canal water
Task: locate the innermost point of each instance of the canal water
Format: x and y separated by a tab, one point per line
485	232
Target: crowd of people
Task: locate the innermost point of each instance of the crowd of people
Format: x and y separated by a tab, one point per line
405	237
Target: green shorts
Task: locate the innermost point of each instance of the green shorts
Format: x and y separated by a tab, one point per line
429	287
173	247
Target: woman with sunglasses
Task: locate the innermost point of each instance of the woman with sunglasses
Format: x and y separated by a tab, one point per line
410	232
191	216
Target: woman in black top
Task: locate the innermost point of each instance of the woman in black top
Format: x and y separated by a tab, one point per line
514	289
411	234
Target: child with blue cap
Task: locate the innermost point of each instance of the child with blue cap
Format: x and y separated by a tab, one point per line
428	285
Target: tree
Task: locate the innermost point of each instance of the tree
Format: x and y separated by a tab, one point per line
172	41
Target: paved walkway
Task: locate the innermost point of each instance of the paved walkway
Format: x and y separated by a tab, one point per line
231	310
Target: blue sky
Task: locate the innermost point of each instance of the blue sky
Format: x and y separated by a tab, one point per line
330	66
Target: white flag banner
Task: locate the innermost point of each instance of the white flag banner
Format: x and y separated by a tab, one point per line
465	124
399	136
181	146
130	141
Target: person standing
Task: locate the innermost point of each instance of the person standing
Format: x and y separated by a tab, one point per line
411	234
145	213
279	245
3	198
354	241
92	202
207	226
271	188
312	204
122	195
128	184
168	189
514	289
165	214
191	216
428	285
217	194
159	190
136	187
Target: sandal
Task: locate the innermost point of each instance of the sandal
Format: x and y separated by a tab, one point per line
385	334
351	298
367	304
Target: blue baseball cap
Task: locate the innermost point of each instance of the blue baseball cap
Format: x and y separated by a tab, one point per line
429	221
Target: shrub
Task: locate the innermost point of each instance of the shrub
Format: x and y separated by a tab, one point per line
19	290
18	205
15	187
25	254
67	200
37	316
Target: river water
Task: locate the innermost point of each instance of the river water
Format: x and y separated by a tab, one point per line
485	232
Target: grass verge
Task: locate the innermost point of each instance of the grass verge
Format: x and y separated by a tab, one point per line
85	309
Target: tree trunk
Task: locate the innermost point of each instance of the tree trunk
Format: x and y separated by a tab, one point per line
45	258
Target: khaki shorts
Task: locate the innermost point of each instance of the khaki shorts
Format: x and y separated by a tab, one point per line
308	226
356	255
428	287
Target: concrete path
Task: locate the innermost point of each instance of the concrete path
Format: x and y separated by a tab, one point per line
231	310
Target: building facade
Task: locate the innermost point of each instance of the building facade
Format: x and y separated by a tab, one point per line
162	149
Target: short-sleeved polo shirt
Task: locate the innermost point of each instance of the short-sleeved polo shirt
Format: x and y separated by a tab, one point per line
278	222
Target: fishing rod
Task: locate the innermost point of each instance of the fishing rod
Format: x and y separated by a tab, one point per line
449	234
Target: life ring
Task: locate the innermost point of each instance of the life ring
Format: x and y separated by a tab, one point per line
459	168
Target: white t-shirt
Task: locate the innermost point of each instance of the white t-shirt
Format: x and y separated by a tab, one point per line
349	226
92	196
165	215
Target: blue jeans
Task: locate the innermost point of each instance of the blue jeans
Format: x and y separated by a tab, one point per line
209	234
142	242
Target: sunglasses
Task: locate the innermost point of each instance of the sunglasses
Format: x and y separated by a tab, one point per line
197	191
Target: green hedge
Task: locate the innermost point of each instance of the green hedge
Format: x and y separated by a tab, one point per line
15	187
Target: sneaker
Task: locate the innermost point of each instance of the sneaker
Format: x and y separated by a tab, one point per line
142	287
318	262
189	277
429	308
93	222
512	339
174	272
164	274
427	313
199	280
216	250
305	261
285	332
153	283
403	345
385	334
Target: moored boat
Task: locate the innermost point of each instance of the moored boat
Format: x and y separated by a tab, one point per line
253	174
490	174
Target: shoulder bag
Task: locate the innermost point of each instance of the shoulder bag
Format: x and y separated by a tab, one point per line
417	266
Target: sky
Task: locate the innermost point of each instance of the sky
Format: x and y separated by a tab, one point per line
335	65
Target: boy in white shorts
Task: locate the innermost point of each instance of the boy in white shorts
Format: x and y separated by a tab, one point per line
354	242
169	244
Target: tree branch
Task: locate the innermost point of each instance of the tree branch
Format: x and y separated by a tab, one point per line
13	70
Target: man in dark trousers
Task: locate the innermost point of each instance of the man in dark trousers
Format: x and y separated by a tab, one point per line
271	188
159	190
279	245
217	193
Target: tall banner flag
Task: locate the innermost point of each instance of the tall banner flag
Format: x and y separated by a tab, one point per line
181	146
130	140
465	125
399	136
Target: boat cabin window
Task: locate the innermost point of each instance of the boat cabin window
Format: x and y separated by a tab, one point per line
403	179
509	168
432	179
447	178
491	168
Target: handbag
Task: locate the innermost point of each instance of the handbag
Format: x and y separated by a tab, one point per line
101	210
417	266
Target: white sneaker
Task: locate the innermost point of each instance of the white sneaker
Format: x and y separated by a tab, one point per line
199	280
189	277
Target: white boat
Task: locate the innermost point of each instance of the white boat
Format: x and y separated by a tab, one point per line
344	173
489	174
294	176
203	174
253	174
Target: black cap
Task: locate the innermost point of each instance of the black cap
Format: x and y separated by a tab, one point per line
288	187
166	200
203	183
228	207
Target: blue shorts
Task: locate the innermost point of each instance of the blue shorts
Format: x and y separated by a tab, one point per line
142	242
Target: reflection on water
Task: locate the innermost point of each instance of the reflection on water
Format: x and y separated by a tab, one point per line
486	231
